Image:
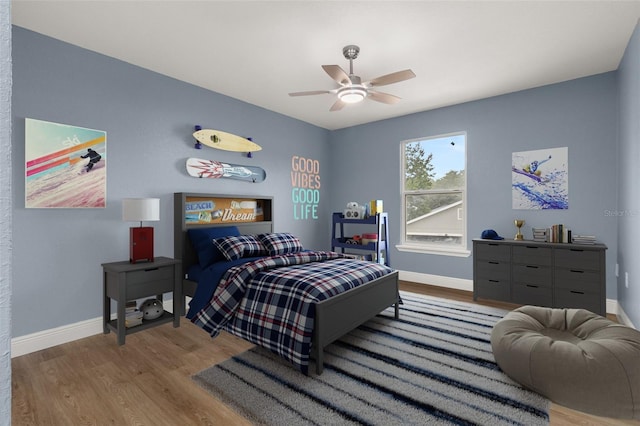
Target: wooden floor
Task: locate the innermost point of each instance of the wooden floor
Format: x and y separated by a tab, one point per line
147	381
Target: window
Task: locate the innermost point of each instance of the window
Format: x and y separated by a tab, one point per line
434	194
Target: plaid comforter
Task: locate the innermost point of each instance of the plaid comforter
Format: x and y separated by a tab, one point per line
270	302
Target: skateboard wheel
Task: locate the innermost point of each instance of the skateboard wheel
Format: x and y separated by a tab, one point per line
198	127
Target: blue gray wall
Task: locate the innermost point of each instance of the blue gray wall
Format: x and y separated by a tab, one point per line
629	176
149	119
579	114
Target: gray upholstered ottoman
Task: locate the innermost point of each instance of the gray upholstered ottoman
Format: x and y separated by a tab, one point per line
573	357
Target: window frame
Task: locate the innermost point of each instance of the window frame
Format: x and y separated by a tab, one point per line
461	250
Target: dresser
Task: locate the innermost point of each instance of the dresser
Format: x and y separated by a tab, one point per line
544	274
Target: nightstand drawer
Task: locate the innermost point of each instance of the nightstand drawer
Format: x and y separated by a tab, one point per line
532	274
576	258
532	255
150	275
146	289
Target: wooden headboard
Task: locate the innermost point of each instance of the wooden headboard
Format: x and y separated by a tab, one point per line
201	210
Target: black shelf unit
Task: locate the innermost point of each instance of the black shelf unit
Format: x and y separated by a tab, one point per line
380	247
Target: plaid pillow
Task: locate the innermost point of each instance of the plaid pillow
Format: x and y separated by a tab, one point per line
202	241
233	248
252	247
280	243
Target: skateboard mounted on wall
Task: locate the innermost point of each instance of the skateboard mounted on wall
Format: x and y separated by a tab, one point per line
201	168
223	140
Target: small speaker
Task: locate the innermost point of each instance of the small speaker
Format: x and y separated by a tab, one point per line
141	248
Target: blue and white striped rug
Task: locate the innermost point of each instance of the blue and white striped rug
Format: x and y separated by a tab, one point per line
432	366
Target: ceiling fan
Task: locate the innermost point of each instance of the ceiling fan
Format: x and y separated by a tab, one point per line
352	89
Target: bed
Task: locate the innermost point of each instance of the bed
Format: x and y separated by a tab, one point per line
332	317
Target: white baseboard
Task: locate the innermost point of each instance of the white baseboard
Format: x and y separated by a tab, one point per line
55	336
67	333
437	280
623	317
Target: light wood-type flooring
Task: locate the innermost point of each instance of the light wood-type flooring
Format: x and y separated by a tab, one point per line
147	381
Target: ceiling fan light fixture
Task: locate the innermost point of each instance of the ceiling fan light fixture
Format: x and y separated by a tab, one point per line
352	95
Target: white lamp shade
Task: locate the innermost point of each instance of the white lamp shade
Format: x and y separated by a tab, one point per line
140	209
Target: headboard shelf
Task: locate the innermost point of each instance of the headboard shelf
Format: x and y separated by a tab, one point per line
251	214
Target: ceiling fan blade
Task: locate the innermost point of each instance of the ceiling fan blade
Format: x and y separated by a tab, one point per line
337	106
311	92
385	98
394	77
337	73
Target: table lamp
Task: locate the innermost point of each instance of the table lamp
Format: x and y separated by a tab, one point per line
140	238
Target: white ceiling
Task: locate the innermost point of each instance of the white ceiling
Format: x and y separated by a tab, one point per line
259	51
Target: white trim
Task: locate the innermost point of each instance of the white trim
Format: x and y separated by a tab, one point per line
622	315
432	249
66	333
437	280
40	340
55	336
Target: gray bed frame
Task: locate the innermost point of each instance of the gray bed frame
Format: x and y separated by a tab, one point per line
334	317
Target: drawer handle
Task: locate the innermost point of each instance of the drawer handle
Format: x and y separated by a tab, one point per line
493	244
576	292
494	281
532	286
532	266
577	271
532	247
494	263
580	250
151	269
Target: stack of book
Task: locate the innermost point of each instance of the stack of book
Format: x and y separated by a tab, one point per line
539	234
584	239
133	316
559	234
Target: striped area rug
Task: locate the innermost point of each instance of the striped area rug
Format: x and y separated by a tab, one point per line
432	366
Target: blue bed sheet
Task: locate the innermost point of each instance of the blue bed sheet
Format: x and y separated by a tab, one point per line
208	279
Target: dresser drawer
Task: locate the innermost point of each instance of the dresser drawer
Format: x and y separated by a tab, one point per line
491	251
529	294
578	279
532	274
576	258
565	298
532	255
492	289
492	269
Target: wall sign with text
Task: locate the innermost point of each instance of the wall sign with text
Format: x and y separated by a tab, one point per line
305	192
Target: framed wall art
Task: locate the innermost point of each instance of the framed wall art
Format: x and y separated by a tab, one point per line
65	166
540	179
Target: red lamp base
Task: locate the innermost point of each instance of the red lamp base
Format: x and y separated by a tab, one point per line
141	244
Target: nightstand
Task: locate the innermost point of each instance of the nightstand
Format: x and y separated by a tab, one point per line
124	281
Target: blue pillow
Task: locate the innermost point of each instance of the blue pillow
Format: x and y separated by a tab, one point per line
202	241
